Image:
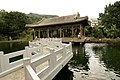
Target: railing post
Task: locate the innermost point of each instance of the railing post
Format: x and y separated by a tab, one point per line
70	46
60	40
64	51
30	44
26	62
53	58
27	53
41	48
2	61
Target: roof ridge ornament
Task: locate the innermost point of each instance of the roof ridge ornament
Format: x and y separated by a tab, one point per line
77	16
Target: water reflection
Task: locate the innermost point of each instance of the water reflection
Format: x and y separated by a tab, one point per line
95	62
110	57
79	60
79	63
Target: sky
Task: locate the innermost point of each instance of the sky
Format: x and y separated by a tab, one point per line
90	8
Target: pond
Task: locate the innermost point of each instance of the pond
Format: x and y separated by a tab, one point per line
93	62
90	62
9	47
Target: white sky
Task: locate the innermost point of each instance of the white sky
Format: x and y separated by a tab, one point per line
90	8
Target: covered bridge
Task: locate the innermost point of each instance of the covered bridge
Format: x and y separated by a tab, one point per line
65	27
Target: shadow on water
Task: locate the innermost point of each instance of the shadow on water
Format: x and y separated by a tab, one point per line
64	74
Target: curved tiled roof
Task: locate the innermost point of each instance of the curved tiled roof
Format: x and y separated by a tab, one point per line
59	20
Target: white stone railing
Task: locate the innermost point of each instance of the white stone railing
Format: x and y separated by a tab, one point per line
7	66
49	42
50	63
51	39
34	50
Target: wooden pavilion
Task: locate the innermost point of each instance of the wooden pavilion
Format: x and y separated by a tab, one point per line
61	27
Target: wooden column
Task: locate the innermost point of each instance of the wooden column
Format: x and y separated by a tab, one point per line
43	33
39	34
48	32
34	35
84	31
51	33
72	32
60	32
67	32
63	32
81	32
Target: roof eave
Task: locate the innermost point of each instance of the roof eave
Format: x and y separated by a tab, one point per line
42	25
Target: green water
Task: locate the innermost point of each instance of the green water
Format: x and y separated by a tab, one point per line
9	47
90	62
96	62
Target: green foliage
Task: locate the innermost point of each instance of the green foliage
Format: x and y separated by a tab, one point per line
2	22
88	31
111	20
12	24
111	32
37	17
97	32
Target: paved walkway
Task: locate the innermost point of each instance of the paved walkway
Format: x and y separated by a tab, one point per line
17	75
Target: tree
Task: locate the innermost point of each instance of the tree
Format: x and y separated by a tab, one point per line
111	17
13	23
97	32
2	22
111	32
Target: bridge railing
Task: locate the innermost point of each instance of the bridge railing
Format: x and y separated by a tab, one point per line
7	65
10	62
13	61
50	64
51	39
49	42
